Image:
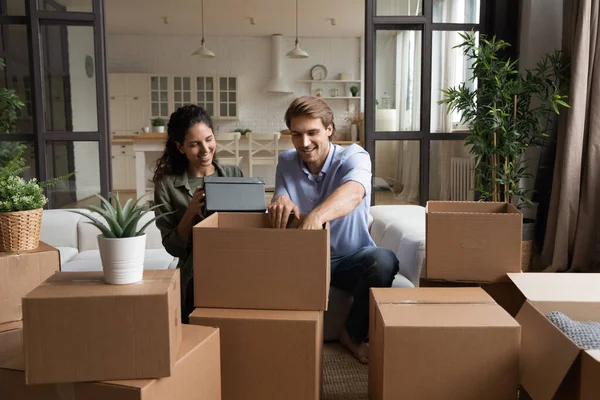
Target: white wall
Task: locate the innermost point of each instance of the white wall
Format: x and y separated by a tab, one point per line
245	57
83	106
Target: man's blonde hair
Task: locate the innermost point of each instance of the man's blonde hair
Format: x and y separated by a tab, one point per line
313	107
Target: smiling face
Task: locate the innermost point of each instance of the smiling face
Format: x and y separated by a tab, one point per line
198	146
311	140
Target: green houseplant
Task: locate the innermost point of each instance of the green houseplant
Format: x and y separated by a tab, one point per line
122	242
242	131
21	206
506	113
158	125
10	104
354	90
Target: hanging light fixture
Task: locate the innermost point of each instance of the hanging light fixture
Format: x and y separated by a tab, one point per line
202	51
297	52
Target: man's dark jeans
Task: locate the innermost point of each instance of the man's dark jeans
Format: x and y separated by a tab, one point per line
356	273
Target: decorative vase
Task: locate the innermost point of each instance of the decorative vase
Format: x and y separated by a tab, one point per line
354	133
122	259
20	230
146	129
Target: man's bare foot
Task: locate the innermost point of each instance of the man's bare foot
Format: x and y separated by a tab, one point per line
360	351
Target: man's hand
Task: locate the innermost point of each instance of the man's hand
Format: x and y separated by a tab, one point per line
311	221
280	210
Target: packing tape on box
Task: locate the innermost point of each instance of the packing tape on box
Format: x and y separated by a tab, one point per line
65	391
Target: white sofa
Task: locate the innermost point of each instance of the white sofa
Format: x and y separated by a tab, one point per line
76	240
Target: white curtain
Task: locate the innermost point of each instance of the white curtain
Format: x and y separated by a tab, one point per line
408	99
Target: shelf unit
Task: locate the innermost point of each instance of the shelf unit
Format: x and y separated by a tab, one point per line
343	87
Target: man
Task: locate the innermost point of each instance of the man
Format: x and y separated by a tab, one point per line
325	182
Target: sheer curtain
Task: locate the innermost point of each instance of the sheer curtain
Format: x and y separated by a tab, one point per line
408	99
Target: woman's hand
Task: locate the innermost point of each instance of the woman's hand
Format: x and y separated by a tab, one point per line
196	206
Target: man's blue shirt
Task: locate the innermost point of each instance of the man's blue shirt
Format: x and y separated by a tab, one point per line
307	191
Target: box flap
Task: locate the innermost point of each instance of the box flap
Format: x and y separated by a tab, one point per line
9	326
481	316
595	354
42	248
471	207
230	313
558	287
470	295
546	353
91	284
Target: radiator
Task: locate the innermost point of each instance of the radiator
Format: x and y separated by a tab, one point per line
462	179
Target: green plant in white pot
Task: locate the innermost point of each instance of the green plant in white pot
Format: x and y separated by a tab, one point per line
121	243
158	125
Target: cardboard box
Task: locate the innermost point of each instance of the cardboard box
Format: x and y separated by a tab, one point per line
12	381
268	354
241	262
472	241
552	366
22	272
78	328
441	343
196	376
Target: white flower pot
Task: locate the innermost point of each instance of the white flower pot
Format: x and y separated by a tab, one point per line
122	259
158	129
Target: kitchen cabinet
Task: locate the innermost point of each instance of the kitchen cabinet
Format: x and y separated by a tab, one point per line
123	166
128	99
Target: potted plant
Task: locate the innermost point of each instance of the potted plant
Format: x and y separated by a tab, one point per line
21	206
356	120
354	90
507	113
158	125
243	131
122	243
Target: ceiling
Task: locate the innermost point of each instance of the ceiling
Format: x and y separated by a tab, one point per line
232	17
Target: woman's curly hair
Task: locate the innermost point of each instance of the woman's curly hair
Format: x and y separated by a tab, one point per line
172	162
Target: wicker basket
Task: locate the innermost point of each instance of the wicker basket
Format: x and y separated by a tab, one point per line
20	230
526	255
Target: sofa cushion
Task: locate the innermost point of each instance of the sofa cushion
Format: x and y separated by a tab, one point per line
89	260
67	253
59	228
401	228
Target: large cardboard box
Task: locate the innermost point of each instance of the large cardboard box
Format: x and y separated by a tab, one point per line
12	377
267	354
78	328
241	262
20	273
472	241
196	375
441	343
553	366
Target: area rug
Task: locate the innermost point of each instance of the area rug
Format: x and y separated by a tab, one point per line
344	378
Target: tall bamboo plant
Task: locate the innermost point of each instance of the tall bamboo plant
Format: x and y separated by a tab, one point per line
507	113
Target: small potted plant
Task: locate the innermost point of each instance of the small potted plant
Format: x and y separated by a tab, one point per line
158	125
243	131
122	243
21	206
354	90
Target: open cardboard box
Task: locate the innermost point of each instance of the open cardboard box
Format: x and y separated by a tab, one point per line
241	262
552	366
472	241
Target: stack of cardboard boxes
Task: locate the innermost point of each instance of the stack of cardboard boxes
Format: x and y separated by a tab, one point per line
83	339
452	340
266	290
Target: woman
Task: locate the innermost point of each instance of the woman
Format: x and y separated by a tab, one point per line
189	156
